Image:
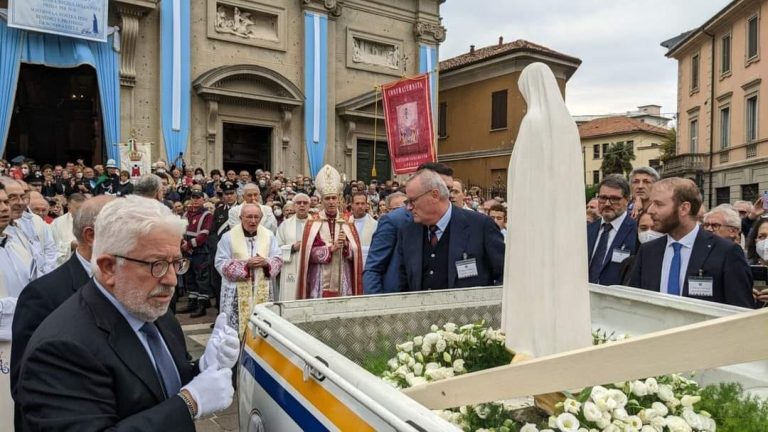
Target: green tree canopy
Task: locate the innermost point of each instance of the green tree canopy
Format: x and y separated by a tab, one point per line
669	145
618	159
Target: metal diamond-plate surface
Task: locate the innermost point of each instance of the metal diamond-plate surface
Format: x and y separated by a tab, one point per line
361	338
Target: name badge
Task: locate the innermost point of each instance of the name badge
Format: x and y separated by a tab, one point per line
700	286
466	268
619	255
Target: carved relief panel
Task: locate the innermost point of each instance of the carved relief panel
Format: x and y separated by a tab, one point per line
374	53
247	22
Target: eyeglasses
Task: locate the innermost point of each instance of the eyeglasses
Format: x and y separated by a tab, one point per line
411	202
717	226
612	199
159	268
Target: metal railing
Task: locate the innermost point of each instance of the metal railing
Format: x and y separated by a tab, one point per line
684	163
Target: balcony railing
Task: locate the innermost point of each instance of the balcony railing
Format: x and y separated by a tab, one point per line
684	163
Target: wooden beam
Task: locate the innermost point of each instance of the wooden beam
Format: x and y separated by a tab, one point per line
724	341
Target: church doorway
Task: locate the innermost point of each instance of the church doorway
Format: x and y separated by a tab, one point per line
247	147
366	158
57	116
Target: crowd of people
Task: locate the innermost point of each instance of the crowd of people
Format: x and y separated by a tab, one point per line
657	234
93	263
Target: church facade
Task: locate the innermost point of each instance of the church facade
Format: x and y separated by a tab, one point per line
273	84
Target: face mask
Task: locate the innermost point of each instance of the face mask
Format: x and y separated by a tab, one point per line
278	213
762	249
199	177
262	183
649	235
160	171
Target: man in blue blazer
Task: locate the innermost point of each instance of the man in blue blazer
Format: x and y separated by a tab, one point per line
381	274
610	239
446	246
382	267
690	261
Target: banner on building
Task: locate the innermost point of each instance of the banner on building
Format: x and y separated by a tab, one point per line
136	158
408	118
83	19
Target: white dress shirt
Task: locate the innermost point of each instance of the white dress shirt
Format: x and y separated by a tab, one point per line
442	224
615	224
685	256
135	324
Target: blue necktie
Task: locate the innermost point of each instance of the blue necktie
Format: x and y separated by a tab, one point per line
596	265
673	284
166	369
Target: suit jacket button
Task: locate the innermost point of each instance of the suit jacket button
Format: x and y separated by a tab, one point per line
431	272
433	255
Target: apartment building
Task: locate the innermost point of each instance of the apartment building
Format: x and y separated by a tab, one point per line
722	137
598	135
480	106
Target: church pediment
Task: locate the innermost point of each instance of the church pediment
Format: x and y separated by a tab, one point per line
248	83
367	105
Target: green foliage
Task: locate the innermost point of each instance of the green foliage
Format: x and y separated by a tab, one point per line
590	192
488	354
488	416
376	363
732	410
618	159
669	145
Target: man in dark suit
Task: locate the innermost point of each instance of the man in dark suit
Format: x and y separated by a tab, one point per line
382	267
112	356
446	246
42	296
220	218
610	239
689	261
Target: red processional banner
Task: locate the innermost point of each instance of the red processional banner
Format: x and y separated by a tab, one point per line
408	118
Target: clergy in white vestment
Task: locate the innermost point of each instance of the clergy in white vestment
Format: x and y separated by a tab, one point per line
252	195
289	235
364	223
62	229
16	271
248	259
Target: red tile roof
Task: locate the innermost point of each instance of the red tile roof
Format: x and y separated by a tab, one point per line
617	125
497	50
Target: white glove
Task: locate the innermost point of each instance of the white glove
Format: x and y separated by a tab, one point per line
212	391
223	347
7	308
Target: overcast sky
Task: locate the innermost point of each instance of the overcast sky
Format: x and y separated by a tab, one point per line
623	65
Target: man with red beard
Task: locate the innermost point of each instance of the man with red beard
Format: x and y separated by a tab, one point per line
112	357
689	261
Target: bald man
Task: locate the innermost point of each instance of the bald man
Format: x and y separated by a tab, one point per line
252	195
248	259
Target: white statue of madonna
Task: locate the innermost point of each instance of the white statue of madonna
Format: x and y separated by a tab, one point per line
545	307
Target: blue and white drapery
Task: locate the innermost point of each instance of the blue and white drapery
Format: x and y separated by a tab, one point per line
428	64
316	88
10	53
20	46
175	76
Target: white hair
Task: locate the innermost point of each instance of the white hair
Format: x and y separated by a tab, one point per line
729	214
300	195
431	180
123	221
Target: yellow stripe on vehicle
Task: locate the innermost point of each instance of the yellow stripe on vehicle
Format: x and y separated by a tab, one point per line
331	407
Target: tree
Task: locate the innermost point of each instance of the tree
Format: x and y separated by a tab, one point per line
618	159
669	145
